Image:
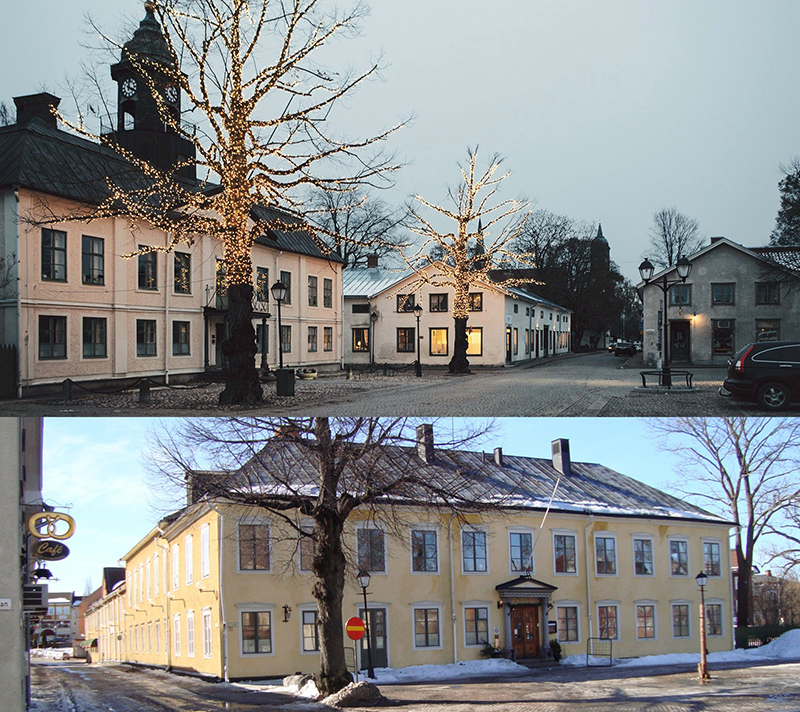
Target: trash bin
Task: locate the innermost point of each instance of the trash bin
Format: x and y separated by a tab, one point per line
285	382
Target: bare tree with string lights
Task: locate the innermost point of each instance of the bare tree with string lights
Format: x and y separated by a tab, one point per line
248	74
483	240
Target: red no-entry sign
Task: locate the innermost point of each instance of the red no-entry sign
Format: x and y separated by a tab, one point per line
354	628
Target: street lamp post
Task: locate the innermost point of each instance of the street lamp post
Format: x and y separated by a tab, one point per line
279	294
702	668
373	317
418	365
684	268
263	344
363	581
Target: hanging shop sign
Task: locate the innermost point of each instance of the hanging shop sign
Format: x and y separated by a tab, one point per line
49	550
51	525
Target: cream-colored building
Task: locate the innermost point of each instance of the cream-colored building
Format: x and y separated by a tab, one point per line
506	325
226	591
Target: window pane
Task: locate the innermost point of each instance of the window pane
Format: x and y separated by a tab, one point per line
475	341
679	558
565	554
183	273
438	342
520	545
361	339
254	554
423	551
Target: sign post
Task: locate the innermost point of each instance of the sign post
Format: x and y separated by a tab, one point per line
355	631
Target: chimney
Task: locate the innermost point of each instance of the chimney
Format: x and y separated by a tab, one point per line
372	261
425	442
36	106
498	456
561	461
717	239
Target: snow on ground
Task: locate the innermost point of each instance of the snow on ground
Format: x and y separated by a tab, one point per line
787	647
52	653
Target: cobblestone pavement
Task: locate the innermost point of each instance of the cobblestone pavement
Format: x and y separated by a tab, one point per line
75	687
597	384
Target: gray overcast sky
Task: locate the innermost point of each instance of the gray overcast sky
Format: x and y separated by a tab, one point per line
605	110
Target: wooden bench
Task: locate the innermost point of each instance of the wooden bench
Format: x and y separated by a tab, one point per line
674	373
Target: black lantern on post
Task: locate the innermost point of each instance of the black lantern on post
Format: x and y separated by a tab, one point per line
363	580
373	317
684	269
702	668
418	364
284	385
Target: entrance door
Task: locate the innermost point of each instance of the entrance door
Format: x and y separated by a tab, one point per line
508	344
546	340
219	336
679	341
378	639
525	631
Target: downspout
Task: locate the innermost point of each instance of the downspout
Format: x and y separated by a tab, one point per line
588	570
223	620
453	589
277	331
166	328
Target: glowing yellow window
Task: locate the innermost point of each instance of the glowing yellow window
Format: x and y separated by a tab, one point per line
438	342
475	341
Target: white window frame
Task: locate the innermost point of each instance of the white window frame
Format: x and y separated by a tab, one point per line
306	608
208	641
148	577
569	604
643	537
158	635
476	604
308	527
609	604
680	602
646	602
605	535
712	540
685	540
481	529
423	528
190	633
176	635
141	582
176	565
256	608
721	603
188	544
565	532
205	551
156	577
523	530
374	526
248	521
149	637
135	582
421	605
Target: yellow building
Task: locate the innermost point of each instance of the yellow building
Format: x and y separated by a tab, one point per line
226	591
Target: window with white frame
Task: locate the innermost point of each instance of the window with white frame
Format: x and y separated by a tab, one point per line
190	634
476	625
679	557
176	635
605	554
141	583
426	628
713	618
371	549
712	558
567	623
424	551
643	556
608	620
254	546
148	577
188	554
204	551
175	567
646	621
307	548
565	560
474	557
156	575
310	631
256	628
134	579
208	647
158	635
681	620
149	637
520	552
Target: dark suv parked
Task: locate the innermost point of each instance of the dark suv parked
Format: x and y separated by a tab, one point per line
767	373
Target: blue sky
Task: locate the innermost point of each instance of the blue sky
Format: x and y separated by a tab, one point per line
604	110
95	469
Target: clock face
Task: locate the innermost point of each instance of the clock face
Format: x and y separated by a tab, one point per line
171	93
129	87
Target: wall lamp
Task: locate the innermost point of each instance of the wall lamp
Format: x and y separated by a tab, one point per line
287	613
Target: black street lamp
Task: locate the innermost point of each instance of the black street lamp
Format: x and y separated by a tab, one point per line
702	668
279	294
363	580
418	365
264	317
646	269
373	317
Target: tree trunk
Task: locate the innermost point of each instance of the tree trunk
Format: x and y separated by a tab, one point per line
329	568
459	363
743	585
242	384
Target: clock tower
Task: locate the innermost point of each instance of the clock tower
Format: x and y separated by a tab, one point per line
141	129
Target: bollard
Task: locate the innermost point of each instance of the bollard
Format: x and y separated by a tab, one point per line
66	389
284	386
349	374
386	369
144	392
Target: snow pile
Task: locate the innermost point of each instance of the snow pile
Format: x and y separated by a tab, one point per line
787	647
468	668
51	653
